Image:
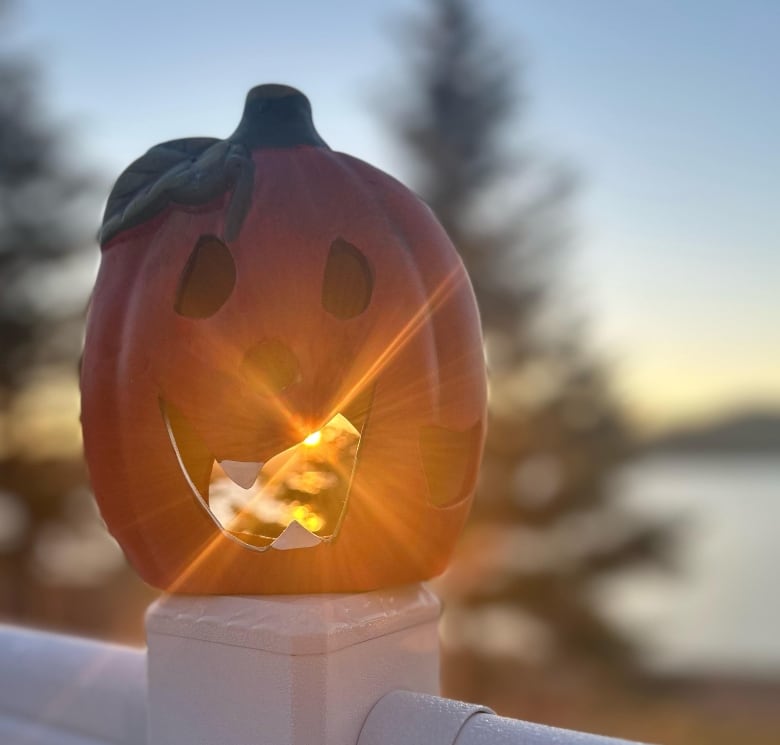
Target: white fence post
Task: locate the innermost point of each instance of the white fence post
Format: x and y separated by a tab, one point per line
284	670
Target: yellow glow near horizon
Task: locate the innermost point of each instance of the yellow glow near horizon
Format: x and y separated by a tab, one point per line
43	420
664	391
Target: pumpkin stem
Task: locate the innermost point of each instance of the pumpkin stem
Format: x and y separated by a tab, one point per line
276	116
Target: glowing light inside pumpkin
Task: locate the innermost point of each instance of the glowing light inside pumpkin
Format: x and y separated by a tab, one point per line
307	483
304	515
313	439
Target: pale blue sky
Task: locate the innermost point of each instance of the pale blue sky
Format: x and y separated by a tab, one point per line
668	110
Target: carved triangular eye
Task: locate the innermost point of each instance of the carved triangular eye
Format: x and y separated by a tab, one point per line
348	281
207	280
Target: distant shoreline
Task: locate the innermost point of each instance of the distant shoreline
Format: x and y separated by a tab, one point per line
746	433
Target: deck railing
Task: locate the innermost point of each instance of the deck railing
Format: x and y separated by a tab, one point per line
296	670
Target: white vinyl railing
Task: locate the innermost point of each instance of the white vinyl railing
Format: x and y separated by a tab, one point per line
294	670
70	691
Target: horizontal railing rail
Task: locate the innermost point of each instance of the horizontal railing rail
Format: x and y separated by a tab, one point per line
415	718
302	670
58	690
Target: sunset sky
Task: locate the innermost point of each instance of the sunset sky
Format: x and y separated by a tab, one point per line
668	111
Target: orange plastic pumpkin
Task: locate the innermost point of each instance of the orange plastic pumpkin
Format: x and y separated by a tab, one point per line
283	386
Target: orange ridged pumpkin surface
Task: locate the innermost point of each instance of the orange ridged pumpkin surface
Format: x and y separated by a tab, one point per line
283	385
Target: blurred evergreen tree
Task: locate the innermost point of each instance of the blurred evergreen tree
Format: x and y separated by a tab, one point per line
39	233
53	553
543	529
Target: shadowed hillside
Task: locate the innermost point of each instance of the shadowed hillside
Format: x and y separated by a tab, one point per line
746	432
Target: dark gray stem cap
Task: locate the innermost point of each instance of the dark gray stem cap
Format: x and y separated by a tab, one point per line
276	116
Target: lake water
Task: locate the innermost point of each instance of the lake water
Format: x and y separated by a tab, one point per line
721	612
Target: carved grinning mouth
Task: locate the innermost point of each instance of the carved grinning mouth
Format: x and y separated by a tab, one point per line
296	499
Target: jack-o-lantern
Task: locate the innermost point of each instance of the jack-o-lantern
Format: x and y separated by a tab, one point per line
283	385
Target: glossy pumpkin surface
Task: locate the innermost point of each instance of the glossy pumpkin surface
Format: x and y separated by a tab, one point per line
265	300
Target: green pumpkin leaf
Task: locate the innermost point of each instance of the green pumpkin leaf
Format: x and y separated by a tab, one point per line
134	197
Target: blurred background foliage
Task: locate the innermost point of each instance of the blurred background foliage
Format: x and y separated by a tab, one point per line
57	564
528	627
556	431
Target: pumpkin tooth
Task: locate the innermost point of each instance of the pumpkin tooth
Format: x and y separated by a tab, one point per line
295	536
243	473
